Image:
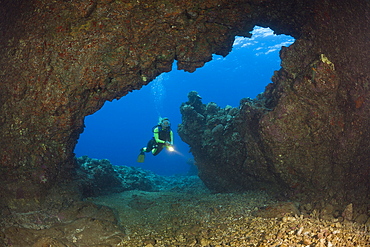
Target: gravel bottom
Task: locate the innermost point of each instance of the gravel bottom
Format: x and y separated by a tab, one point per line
189	219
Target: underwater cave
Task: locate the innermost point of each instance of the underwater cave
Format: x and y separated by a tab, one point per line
305	141
118	130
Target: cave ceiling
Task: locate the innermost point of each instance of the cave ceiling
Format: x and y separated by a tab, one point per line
61	60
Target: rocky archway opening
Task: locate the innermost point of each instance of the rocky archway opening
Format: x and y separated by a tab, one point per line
121	128
62	60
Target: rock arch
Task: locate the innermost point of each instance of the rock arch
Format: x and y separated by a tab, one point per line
61	60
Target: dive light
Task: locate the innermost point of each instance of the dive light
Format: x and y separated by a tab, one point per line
170	148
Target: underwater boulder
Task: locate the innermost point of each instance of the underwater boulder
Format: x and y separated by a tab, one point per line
227	148
97	177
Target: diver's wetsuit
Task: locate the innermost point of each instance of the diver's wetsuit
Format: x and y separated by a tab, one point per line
161	136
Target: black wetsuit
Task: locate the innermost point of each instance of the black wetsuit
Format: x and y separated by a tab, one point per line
163	134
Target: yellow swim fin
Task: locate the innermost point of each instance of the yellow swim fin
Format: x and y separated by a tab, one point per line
141	158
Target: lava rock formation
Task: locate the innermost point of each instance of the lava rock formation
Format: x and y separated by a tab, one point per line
61	60
99	177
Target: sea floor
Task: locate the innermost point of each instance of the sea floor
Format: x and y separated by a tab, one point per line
184	213
212	220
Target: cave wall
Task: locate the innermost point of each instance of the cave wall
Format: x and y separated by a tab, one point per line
308	132
61	60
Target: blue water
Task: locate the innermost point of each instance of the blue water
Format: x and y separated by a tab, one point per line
122	127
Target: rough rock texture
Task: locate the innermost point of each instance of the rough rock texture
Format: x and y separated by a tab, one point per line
204	220
61	60
163	219
227	149
80	224
99	177
83	223
308	132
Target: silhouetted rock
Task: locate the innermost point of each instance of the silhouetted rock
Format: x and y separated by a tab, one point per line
99	177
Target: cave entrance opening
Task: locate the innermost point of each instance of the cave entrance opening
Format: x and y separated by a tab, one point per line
121	128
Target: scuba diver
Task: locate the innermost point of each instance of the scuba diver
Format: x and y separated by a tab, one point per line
163	137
